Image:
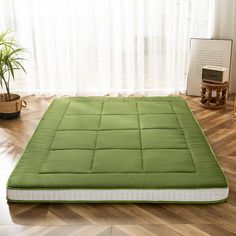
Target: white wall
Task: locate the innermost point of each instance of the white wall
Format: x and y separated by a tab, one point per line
225	28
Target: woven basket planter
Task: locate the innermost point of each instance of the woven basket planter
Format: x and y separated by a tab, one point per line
10	109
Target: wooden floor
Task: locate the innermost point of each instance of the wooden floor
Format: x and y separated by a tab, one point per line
118	219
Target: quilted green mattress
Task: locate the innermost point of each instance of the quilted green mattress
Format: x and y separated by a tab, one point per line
104	149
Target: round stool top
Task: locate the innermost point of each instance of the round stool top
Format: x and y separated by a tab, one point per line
214	85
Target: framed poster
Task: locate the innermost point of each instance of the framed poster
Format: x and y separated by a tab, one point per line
213	52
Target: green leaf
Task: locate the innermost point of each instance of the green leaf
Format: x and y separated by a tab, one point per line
11	69
21	66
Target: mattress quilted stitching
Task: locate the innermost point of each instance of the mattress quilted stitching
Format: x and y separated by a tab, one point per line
186	140
96	139
160	163
140	136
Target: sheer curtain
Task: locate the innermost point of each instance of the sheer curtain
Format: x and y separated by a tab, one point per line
106	47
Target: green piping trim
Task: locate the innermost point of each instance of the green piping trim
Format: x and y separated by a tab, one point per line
120	202
222	188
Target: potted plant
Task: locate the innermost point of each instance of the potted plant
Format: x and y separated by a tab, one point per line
10	104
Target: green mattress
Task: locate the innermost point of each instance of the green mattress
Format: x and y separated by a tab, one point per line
136	149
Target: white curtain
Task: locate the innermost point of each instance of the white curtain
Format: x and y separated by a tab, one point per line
101	47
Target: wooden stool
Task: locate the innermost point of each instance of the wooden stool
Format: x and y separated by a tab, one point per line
214	95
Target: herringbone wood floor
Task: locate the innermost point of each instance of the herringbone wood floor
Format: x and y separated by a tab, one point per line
118	219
